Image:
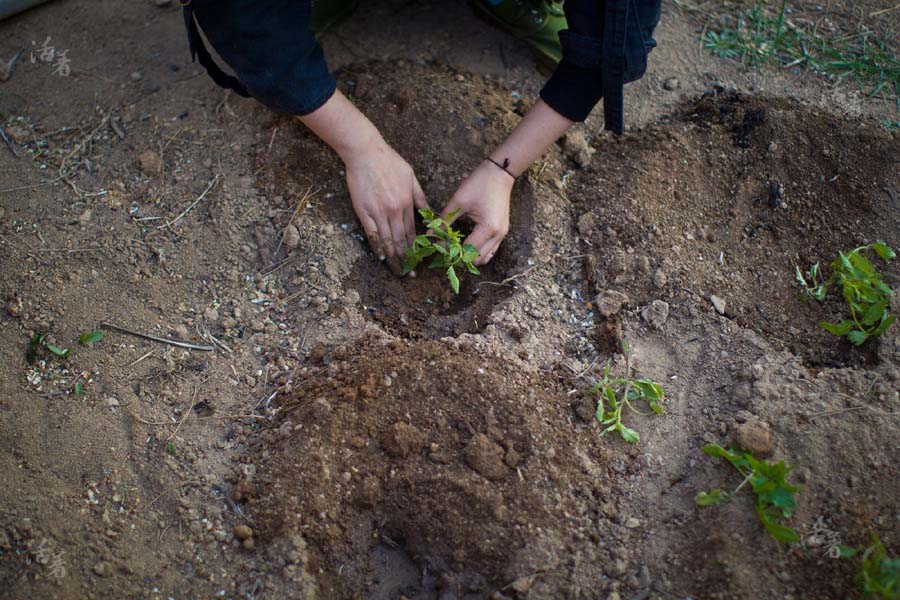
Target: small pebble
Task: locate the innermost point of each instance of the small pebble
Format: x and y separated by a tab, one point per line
243	532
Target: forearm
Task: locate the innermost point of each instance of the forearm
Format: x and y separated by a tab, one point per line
531	138
342	126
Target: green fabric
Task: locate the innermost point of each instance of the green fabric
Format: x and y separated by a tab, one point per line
537	22
329	13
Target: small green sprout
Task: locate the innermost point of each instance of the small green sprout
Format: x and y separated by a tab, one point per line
775	499
79	390
879	573
89	337
445	243
615	394
864	291
170	448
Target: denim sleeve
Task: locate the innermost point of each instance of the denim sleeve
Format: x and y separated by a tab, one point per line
577	83
271	48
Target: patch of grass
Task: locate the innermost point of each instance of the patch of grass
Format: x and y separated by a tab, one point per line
444	243
879	573
757	37
866	294
614	394
775	499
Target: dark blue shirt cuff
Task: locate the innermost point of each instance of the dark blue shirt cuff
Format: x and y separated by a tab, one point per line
573	91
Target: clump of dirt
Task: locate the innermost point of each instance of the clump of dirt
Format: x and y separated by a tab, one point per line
727	197
433	454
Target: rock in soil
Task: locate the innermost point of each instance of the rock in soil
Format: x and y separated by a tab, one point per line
610	302
486	457
755	436
718	304
151	163
656	313
402	439
243	532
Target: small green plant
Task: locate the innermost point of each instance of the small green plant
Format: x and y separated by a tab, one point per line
170	448
775	499
89	337
879	573
614	394
38	345
864	291
892	125
758	36
443	243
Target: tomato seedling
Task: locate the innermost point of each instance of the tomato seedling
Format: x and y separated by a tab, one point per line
615	394
879	573
775	499
864	291
445	245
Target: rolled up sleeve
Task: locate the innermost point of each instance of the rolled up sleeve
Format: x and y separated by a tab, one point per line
272	50
576	85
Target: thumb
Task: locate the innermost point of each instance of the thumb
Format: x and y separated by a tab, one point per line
452	207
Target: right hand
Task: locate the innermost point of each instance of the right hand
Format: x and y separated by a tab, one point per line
385	194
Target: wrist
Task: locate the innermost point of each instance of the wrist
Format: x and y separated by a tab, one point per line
361	146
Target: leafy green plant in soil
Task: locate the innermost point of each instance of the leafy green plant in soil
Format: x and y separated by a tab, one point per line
879	573
614	394
775	499
865	293
757	36
444	244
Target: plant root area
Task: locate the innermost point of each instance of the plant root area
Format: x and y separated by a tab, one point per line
332	431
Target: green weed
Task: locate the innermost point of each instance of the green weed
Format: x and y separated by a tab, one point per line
89	337
614	394
879	573
757	37
867	296
775	499
445	245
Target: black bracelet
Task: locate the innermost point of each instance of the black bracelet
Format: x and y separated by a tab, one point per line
503	166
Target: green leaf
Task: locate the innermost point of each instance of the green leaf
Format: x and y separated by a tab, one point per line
79	390
883	250
170	448
842	328
435	224
887	322
778	531
60	352
90	337
629	435
472	268
875	312
452	215
34	347
611	398
454	251
857	337
427	214
440	249
454	280
712	498
650	389
847	551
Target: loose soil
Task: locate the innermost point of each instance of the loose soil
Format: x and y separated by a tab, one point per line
353	435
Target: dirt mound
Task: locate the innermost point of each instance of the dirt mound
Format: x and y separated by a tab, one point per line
458	117
415	467
727	197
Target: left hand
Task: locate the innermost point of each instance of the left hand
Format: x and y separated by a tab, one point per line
484	198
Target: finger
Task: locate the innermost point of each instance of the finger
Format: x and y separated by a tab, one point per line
372	235
409	224
491	250
418	195
398	234
481	238
452	206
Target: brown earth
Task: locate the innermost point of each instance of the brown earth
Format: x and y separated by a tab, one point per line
355	435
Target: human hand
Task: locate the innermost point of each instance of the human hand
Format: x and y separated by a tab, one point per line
384	192
484	198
